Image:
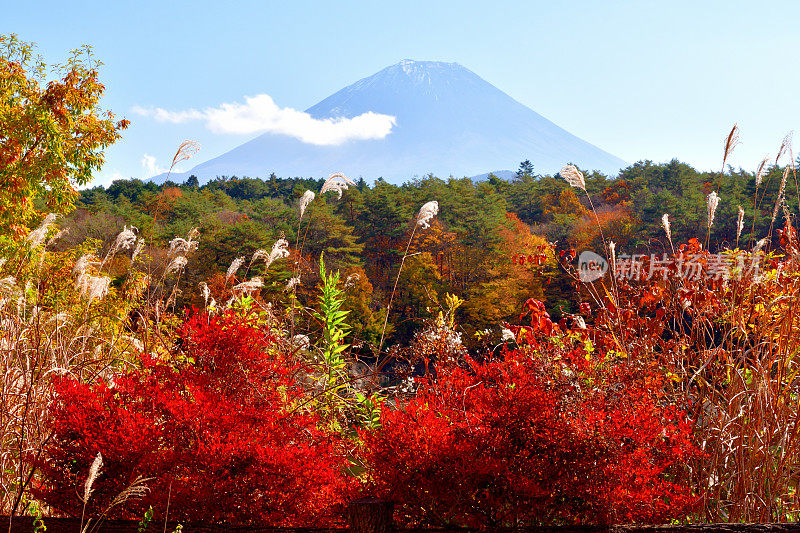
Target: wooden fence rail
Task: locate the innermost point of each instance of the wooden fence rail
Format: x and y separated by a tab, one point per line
373	516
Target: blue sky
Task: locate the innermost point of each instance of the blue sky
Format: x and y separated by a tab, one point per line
642	80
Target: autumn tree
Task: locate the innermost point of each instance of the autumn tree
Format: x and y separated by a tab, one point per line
52	133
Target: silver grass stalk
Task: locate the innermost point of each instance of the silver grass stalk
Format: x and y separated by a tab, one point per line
234	266
666	226
786	214
760	244
306	199
205	291
426	213
712	203
124	241
424	217
280	250
179	245
612	248
731	141
7	285
94	470
176	265
249	286
36	237
761	170
351	280
785	145
292	284
337	182
82	264
739	223
98	289
781	195
137	489
186	150
573	176
137	250
93	287
261	253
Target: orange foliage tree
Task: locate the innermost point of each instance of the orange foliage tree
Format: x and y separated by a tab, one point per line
52	134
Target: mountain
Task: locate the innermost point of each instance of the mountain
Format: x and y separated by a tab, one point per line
450	121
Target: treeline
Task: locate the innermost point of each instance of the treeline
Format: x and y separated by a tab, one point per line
485	246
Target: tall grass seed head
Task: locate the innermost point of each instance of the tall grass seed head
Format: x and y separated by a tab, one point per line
712	203
177	264
426	213
739	223
234	266
280	250
94	471
761	170
124	241
186	150
337	182
731	141
306	199
786	145
573	176
36	237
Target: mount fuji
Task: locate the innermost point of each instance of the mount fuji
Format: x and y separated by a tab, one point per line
449	121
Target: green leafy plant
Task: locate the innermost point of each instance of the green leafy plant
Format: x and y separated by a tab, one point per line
358	407
334	327
145	521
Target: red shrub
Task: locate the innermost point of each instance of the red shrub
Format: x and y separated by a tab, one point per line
537	436
224	435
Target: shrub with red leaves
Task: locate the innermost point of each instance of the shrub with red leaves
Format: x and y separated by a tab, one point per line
552	435
224	435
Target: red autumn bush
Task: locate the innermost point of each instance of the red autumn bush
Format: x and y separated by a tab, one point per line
225	434
551	435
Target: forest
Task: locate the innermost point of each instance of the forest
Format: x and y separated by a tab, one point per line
483	246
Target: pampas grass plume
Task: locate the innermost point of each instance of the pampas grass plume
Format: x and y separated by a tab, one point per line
731	141
666	226
234	266
337	182
36	236
426	213
306	199
94	470
573	176
712	203
739	223
761	170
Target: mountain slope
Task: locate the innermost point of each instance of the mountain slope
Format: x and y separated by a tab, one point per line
449	122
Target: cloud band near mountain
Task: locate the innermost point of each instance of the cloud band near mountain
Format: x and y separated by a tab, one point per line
260	114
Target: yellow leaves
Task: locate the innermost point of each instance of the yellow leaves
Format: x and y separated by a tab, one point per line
50	137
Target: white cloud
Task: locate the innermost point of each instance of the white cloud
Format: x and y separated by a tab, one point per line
150	166
261	114
162	115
